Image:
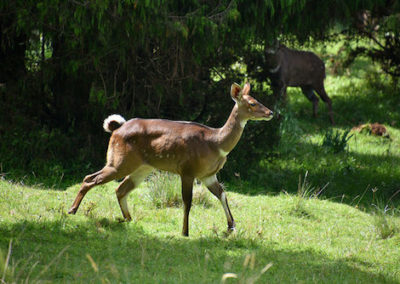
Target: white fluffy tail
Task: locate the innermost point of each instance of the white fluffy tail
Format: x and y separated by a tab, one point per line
113	122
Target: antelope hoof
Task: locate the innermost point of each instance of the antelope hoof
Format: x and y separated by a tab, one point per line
123	220
231	230
72	211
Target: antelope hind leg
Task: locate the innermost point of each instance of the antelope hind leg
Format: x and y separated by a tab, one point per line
103	176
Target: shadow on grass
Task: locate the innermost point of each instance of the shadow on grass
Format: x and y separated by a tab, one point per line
100	250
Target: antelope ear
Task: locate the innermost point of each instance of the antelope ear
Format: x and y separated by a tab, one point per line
246	89
235	92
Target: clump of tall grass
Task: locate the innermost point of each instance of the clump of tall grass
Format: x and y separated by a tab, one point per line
385	222
164	190
385	216
305	191
385	226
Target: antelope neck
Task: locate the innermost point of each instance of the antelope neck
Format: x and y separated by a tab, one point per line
232	130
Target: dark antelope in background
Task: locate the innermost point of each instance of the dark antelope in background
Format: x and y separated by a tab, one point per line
294	68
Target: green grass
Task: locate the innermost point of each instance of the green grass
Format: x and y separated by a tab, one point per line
328	242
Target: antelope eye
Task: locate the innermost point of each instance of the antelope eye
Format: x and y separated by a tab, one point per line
252	104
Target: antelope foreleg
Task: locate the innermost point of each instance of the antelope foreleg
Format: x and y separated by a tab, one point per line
187	193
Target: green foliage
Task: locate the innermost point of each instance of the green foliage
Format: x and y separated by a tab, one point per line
336	141
381	28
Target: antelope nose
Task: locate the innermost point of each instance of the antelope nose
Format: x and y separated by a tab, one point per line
271	113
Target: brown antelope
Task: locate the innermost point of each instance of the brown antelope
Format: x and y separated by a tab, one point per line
294	68
189	149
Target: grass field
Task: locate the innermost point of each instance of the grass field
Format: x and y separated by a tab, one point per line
313	215
283	238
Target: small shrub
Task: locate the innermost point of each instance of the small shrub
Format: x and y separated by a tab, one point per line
336	141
